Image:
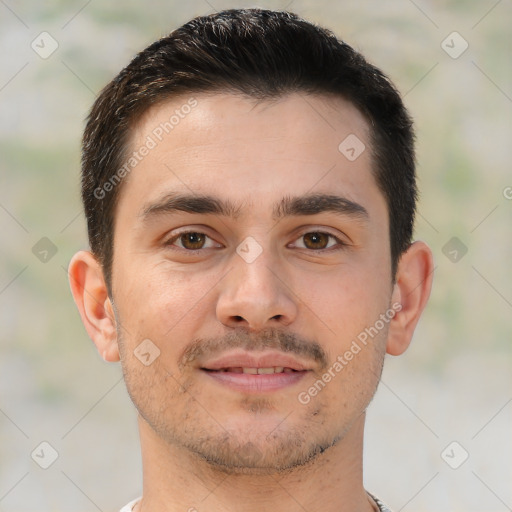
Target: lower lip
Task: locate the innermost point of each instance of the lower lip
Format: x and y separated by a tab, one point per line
250	383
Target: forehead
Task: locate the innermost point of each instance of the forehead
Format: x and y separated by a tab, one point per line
235	146
296	116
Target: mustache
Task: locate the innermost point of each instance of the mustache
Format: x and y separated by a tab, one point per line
271	338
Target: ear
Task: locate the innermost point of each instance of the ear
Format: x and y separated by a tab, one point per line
91	297
411	291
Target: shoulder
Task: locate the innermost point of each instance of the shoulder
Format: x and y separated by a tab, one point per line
129	506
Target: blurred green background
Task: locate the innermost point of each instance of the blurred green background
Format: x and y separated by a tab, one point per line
454	383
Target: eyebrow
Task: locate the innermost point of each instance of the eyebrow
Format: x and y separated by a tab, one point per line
289	206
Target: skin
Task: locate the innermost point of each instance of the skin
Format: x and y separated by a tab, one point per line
206	446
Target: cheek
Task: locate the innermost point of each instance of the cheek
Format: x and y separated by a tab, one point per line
349	309
352	377
346	303
155	390
158	302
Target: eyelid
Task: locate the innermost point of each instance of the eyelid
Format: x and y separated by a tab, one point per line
341	236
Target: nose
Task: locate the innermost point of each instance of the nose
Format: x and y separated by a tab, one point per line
256	295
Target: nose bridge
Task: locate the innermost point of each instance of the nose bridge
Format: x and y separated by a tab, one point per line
253	293
255	270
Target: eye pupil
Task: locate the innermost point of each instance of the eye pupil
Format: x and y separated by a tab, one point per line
192	240
315	238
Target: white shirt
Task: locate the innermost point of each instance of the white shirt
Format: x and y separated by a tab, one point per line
129	506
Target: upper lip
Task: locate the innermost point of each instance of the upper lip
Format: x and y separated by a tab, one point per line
252	360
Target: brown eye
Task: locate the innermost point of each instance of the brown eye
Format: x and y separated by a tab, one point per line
316	240
189	240
192	240
320	241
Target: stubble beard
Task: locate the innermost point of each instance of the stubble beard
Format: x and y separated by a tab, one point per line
184	424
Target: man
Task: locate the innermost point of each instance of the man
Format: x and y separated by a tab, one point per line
249	188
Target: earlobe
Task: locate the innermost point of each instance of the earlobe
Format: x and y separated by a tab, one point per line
411	291
91	297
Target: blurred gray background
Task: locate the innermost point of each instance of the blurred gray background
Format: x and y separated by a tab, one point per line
439	431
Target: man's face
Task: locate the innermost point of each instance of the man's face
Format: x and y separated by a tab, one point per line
282	283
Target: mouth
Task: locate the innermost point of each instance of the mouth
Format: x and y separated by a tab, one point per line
251	373
256	380
254	371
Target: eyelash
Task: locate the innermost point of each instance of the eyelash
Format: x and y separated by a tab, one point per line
341	244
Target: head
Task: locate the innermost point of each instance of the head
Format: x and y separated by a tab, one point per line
249	188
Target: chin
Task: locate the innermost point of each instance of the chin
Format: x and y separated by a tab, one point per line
265	456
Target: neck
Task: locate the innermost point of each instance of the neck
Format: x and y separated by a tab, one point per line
176	480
